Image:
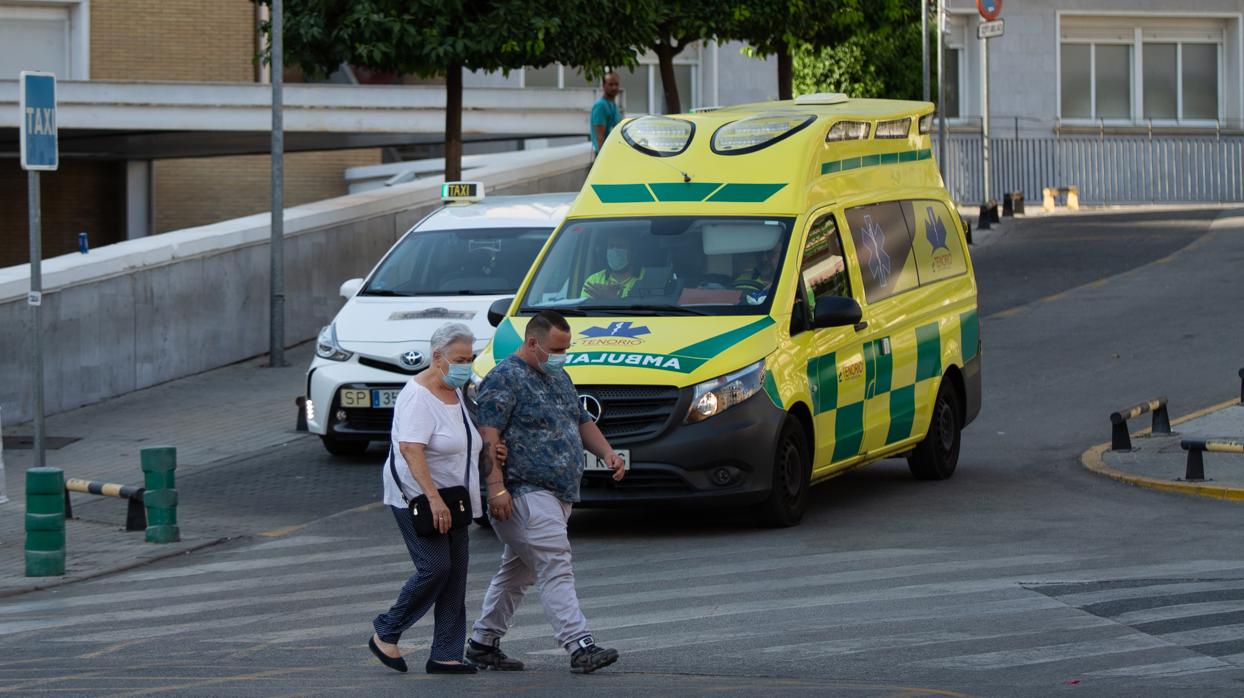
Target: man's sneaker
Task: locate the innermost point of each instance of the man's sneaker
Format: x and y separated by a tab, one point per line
490	657
590	656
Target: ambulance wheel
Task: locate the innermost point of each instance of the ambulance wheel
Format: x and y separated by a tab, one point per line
936	456
792	473
341	447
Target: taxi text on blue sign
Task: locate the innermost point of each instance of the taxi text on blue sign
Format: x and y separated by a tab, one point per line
37	103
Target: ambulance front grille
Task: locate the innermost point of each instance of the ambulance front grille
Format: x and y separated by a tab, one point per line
633	413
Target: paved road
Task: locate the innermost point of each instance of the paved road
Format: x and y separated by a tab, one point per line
1023	575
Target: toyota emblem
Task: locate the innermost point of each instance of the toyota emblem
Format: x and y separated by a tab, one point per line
410	359
592	406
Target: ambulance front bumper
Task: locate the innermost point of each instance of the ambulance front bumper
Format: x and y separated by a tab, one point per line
724	460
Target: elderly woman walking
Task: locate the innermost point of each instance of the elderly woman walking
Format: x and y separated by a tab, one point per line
435	451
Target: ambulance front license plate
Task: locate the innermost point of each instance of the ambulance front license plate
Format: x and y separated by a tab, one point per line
592	463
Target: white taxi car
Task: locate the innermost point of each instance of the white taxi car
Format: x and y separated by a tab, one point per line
449	267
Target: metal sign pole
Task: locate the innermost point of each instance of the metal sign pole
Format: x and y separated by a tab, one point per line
941	89
924	48
276	335
36	293
985	121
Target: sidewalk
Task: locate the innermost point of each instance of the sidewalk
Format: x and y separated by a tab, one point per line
1158	461
210	417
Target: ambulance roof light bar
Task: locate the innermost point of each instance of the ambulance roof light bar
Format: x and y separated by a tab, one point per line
462	192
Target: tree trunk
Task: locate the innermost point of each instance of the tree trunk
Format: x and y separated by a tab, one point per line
785	73
665	57
453	123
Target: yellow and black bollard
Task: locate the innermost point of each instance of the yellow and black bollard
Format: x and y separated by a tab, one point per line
45	522
159	468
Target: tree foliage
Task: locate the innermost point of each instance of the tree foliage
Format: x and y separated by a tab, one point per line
435	38
882	59
781	27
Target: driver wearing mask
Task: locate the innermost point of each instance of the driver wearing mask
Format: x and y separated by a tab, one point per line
618	277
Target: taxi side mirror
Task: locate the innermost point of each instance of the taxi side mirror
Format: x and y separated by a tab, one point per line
496	311
349	288
836	311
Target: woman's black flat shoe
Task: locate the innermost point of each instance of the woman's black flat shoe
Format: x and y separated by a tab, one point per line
442	668
394	663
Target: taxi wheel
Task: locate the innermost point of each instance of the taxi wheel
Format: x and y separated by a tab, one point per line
935	458
792	472
341	447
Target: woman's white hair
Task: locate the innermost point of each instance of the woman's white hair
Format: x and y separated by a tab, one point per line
450	333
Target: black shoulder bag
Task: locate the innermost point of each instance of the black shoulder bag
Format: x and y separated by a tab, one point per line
457	498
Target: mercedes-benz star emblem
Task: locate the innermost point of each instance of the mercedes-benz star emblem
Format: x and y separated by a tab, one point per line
592	406
410	359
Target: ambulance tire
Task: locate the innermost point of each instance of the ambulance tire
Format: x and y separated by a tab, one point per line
936	456
341	447
792	475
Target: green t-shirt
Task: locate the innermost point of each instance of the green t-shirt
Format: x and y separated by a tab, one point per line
606	277
605	113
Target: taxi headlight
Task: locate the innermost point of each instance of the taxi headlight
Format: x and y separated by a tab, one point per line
752	134
326	346
715	396
658	135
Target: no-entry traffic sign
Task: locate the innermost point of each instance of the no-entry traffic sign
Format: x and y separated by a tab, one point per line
989	9
37	132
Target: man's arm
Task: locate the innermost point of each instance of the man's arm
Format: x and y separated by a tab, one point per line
600	134
598	445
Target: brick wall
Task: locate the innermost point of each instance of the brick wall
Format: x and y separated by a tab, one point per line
79	197
193	40
198	191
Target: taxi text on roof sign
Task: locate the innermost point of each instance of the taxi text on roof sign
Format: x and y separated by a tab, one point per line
462	191
38	136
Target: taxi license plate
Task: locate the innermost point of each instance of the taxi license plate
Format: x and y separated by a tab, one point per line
591	462
376	398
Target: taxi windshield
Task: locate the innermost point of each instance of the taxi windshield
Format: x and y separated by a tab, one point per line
489	261
662	265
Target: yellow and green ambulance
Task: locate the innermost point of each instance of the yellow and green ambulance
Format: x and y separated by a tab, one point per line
761	298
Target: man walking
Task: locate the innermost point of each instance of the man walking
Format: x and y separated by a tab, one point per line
528	402
605	111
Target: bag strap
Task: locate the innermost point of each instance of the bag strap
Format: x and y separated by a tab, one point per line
393	472
466	474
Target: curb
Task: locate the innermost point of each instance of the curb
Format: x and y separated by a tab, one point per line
1093	461
113	570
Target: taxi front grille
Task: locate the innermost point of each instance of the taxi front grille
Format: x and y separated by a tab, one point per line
633	413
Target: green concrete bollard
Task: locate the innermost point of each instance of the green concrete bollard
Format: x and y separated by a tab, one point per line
45	522
160	498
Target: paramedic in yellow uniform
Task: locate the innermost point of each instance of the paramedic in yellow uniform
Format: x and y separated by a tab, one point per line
618	277
757	280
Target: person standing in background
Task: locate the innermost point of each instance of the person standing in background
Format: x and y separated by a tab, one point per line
605	112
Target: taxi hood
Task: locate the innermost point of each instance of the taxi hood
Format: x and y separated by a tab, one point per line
677	351
413	319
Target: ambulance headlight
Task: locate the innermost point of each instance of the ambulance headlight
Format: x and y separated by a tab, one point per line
326	346
715	396
659	136
752	134
847	131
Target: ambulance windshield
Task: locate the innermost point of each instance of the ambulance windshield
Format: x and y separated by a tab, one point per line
662	265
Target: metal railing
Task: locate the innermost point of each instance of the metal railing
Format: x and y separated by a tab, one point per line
1124	167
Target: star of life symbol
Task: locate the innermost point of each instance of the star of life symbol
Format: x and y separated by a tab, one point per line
935	230
617	329
878	260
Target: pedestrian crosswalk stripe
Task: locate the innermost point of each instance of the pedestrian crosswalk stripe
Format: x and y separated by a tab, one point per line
1120	644
1187	610
1204	636
1088	598
1180	667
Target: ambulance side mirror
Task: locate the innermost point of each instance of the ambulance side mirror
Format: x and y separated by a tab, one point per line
836	311
349	288
496	311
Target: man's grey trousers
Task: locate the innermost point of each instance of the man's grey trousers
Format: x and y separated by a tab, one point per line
537	550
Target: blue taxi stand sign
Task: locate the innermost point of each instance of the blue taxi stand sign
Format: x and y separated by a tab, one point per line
37	132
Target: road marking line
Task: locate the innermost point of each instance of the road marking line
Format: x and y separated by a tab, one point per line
1202	636
1006	659
1186	610
1181	667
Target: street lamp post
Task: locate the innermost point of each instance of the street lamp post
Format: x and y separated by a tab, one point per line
276	330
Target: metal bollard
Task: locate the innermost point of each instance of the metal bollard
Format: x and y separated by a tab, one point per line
159	477
45	522
1241	394
300	424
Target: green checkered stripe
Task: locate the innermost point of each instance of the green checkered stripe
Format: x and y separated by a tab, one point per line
856	163
674	192
879	383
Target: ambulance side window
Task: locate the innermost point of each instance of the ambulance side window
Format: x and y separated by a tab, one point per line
823	271
883	245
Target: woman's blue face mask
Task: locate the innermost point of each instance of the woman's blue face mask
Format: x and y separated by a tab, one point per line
457	375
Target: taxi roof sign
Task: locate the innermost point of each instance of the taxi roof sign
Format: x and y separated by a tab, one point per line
462	192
